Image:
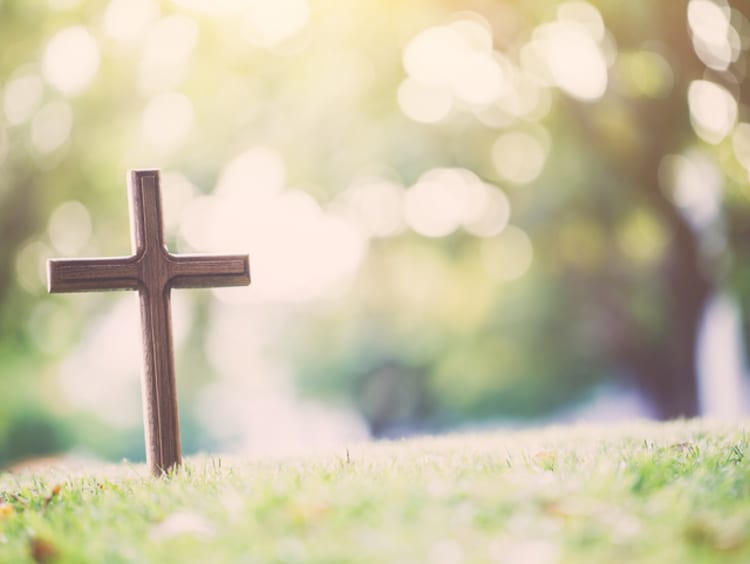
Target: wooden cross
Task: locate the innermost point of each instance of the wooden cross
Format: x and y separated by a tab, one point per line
153	271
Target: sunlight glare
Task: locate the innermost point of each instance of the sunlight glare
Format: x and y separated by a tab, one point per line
247	188
299	251
71	60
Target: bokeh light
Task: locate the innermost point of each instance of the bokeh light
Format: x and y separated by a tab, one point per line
420	102
447	63
571	51
518	157
69	228
257	174
443	199
63	5
641	238
713	110
508	255
31	266
644	73
491	211
125	20
71	60
585	14
270	23
715	40
741	144
166	52
376	204
3	143
695	185
167	120
300	251
22	96
51	126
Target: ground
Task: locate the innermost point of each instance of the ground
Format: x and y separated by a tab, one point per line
646	492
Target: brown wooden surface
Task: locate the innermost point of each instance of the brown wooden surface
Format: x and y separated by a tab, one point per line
153	271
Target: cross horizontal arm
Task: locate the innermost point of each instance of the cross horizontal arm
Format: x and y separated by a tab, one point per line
203	271
82	275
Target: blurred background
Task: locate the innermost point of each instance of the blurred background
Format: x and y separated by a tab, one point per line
459	214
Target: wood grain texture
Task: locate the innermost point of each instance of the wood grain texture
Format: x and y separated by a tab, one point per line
153	272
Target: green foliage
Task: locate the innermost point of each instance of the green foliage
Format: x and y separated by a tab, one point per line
646	493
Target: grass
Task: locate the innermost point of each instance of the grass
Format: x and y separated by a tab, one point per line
676	492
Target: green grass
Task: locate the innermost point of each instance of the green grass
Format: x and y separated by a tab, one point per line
678	492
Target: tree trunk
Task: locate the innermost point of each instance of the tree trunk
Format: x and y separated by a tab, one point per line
664	368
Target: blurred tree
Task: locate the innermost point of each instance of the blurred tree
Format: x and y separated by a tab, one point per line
600	128
656	348
628	258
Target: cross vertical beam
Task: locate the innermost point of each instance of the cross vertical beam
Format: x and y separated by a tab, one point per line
153	272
